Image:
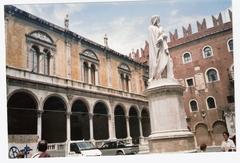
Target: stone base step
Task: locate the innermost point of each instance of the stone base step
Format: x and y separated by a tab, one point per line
143	148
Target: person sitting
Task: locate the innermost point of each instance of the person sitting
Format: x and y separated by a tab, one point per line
227	144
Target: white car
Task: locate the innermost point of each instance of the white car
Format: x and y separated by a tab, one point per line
118	148
83	148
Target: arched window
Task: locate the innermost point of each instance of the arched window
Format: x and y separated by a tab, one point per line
207	52
193	105
125	76
79	121
100	118
22	114
89	64
40	47
120	122
187	58
230	45
54	120
212	75
211	104
134	124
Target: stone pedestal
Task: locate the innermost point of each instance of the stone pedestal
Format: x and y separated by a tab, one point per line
169	131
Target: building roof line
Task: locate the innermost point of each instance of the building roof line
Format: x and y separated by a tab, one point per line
14	11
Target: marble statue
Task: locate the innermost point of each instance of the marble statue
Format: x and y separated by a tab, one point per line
159	58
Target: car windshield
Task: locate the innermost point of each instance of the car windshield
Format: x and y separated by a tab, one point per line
85	145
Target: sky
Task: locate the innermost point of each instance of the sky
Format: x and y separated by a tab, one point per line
126	23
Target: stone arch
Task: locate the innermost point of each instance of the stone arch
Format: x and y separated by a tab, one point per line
134	124
123	107
58	96
202	134
218	127
79	120
100	121
145	120
120	121
85	101
27	91
22	113
54	126
103	102
137	109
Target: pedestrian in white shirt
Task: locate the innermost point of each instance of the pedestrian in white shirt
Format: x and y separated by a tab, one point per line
227	144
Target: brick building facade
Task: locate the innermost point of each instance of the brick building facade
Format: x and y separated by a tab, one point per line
203	62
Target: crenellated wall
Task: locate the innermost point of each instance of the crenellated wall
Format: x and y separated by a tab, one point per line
202	30
188	35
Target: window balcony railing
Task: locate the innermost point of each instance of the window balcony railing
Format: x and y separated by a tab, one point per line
16	73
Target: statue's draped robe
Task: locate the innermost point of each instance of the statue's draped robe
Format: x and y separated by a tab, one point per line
158	58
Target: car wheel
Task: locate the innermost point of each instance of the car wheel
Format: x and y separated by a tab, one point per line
119	153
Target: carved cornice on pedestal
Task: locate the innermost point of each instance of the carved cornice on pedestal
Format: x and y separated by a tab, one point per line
164	87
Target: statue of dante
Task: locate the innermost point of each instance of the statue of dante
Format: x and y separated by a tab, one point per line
159	57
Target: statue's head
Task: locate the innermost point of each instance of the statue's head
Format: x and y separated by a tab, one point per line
155	20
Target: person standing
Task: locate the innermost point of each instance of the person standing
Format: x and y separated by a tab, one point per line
227	144
42	148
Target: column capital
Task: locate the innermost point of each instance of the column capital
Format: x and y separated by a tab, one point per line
89	65
39	112
90	115
69	96
68	113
